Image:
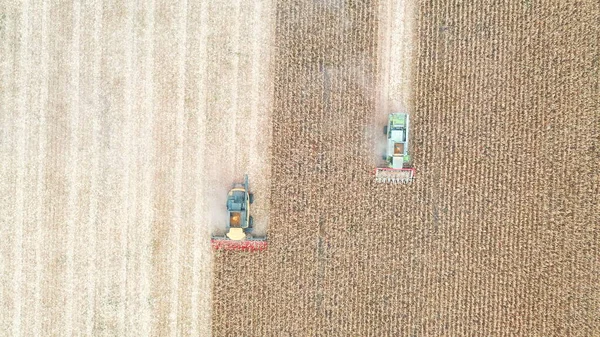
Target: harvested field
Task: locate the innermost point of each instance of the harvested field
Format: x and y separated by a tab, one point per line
122	126
499	235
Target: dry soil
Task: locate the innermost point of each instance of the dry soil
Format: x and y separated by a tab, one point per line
122	126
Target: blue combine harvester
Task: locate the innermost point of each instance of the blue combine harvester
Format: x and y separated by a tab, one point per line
240	223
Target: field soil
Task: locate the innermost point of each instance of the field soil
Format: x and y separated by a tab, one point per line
122	125
499	235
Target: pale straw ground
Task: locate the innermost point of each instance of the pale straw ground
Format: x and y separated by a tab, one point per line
122	126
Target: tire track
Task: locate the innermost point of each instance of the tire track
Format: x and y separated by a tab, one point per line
56	172
177	217
41	160
220	163
402	56
7	147
137	235
129	193
112	148
164	232
22	92
82	188
148	158
395	61
234	114
92	219
73	177
201	295
29	99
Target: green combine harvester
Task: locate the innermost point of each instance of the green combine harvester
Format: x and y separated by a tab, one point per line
397	157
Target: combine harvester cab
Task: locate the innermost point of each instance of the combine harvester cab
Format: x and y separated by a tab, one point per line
397	157
240	223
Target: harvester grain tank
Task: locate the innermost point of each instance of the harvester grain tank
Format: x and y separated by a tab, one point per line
240	222
398	164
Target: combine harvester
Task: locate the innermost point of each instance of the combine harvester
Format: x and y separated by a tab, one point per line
399	169
240	223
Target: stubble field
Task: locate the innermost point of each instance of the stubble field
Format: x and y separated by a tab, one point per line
123	124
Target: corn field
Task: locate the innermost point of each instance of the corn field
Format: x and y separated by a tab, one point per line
498	235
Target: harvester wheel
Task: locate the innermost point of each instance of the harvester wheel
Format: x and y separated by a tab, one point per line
385	130
251	197
251	222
